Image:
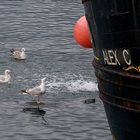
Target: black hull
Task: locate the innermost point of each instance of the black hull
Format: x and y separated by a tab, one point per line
123	122
115	33
120	101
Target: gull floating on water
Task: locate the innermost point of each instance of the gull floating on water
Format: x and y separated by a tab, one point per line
19	54
36	91
6	77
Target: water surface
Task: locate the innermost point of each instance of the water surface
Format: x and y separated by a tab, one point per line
45	29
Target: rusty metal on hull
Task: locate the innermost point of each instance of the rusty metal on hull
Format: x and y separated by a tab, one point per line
119	102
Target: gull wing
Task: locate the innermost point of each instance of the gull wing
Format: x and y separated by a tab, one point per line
17	54
2	78
36	91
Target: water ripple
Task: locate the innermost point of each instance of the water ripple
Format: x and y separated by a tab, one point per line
45	29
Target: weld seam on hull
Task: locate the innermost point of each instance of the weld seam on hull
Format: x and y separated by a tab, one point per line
119	98
117	105
115	83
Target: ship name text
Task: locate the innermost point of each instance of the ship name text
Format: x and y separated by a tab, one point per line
116	57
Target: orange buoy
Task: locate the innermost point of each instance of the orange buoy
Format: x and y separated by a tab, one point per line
81	33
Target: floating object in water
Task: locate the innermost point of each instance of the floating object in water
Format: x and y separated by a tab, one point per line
36	91
81	33
19	54
6	77
89	101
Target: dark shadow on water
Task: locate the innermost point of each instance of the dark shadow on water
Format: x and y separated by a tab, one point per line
34	109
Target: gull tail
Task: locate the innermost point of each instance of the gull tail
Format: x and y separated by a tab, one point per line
24	91
12	50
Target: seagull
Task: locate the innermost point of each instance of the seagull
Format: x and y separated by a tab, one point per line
36	91
20	55
6	77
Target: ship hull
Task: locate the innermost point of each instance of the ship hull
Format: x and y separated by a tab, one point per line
115	35
121	101
123	122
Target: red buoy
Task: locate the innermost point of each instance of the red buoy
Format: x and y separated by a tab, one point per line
81	33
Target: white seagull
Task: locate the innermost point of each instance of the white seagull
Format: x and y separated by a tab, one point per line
6	77
36	91
20	55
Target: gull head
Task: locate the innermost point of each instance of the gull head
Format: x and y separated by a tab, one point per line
43	80
7	71
23	49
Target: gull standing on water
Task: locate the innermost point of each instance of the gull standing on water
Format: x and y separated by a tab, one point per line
6	77
20	55
36	91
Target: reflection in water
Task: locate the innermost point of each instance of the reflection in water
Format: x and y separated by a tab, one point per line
35	110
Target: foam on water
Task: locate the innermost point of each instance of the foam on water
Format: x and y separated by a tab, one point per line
71	84
80	85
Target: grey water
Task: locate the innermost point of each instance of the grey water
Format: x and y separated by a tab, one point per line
45	29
